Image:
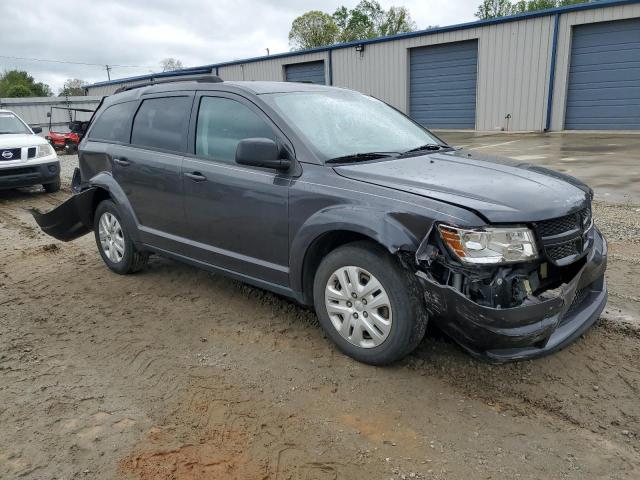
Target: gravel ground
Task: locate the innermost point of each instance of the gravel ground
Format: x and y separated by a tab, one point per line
175	373
67	164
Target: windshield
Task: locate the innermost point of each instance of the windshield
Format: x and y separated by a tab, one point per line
341	123
9	123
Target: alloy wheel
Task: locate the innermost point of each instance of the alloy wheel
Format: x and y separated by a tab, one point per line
111	237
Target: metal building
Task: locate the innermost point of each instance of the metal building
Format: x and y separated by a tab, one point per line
35	110
568	68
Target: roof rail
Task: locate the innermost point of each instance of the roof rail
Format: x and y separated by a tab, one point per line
199	79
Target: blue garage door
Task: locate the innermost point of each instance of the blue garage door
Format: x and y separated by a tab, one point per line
604	77
443	85
305	72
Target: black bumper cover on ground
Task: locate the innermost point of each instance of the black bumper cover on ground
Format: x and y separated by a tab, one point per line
534	329
28	175
69	220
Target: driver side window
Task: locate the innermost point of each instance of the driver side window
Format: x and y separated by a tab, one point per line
222	124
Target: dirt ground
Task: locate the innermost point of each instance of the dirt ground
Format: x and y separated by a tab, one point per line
175	373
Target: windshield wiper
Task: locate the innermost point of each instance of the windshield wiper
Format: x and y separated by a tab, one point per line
428	146
358	157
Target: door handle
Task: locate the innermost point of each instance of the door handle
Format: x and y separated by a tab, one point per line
196	176
123	162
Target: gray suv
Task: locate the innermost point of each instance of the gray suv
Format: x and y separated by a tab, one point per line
342	203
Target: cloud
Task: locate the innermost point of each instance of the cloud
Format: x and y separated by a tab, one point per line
141	34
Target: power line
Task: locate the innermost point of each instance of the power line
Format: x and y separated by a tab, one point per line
73	63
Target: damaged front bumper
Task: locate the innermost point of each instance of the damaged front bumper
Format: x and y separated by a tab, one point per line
538	327
69	220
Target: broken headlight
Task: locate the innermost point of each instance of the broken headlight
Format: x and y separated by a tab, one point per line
490	245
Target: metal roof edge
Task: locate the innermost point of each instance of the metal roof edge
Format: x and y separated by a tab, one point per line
430	31
174	73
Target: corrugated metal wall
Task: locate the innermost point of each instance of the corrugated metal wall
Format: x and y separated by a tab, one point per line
33	110
514	59
270	69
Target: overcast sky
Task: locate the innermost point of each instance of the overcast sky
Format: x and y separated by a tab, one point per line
198	32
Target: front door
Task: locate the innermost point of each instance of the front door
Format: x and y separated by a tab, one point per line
237	215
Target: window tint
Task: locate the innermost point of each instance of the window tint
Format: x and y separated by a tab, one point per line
222	123
161	123
113	124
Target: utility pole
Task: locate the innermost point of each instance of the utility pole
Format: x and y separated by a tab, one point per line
267	51
108	71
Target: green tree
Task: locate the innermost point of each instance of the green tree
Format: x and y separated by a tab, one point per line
564	3
17	83
366	20
353	24
73	87
494	8
369	20
170	64
501	8
313	29
397	20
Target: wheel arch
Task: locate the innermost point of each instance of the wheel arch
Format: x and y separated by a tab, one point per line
316	239
106	188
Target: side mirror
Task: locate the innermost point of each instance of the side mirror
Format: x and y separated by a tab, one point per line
36	129
261	152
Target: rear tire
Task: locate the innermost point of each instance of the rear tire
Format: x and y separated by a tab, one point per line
114	242
52	187
377	328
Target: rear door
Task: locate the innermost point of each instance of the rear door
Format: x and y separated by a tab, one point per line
149	169
237	215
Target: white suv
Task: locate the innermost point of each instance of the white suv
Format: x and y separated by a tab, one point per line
25	158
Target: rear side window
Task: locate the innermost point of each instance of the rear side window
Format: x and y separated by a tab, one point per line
222	123
162	123
113	124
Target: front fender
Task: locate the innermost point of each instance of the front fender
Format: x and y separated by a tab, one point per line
106	181
395	231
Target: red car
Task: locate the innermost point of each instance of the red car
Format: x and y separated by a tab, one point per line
64	140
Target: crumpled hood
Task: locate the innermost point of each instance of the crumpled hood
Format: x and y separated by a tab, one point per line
19	140
500	189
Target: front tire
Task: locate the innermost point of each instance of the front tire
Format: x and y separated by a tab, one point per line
368	304
114	242
69	147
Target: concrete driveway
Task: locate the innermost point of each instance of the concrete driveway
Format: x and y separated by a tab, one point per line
609	163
